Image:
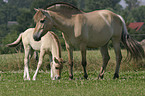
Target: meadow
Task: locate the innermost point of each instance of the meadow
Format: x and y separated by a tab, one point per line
130	83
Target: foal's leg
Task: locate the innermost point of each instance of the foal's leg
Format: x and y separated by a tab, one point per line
36	55
106	58
42	53
116	45
26	62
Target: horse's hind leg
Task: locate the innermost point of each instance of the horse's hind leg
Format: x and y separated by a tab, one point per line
116	45
26	62
106	58
36	57
84	62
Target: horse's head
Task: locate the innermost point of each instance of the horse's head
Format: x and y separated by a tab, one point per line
56	67
43	20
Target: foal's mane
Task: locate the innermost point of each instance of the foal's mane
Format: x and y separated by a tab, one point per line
64	9
55	37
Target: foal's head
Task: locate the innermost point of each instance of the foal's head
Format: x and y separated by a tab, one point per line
56	67
42	23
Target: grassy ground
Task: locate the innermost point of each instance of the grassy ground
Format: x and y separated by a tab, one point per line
14	62
130	83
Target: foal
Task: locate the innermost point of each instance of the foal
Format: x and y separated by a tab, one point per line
49	44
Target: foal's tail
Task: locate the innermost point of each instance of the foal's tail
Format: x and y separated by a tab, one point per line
134	49
15	43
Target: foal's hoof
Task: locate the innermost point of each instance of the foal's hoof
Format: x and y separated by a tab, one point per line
25	79
100	76
116	76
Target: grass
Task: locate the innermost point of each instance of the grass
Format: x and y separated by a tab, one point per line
130	83
14	62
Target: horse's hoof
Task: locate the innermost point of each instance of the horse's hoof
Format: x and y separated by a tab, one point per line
116	76
27	79
70	77
100	76
86	76
34	79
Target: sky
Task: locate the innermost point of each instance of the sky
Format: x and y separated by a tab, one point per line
122	2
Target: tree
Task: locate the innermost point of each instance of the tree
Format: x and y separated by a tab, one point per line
101	4
132	4
139	14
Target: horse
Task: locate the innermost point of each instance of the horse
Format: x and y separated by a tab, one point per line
87	30
49	44
143	43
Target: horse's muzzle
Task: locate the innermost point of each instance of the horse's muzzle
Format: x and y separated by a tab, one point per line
36	37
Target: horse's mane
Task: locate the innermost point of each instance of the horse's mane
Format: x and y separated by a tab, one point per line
64	9
61	8
38	15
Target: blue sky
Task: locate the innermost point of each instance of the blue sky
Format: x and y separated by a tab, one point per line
122	2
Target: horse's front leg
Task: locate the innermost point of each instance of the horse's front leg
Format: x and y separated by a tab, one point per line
42	53
70	57
70	60
84	62
106	58
26	62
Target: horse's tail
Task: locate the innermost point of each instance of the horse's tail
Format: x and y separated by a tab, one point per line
15	43
134	49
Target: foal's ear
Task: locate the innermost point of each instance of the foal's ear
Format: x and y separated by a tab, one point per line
56	61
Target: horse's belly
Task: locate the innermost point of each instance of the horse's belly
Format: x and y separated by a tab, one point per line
98	41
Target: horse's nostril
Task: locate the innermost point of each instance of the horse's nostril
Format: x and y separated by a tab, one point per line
36	38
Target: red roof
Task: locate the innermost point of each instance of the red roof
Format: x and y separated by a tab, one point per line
136	25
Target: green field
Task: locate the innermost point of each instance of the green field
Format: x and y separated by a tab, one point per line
130	83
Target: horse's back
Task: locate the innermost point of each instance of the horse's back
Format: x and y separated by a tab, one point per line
102	25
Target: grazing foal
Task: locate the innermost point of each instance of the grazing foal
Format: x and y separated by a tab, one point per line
49	44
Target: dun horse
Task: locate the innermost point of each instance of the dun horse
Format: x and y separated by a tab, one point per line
87	30
49	44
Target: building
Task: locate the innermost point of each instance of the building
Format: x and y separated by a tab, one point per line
136	26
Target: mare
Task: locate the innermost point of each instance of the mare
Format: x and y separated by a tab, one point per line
49	44
87	30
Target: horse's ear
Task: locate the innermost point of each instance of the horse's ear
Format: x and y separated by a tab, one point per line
46	13
36	9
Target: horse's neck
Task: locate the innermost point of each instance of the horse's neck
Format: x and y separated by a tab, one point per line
62	23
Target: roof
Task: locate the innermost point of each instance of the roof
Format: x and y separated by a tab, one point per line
136	25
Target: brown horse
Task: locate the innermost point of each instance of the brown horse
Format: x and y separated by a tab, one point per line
87	30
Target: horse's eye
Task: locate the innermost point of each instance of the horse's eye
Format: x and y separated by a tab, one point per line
42	21
56	67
